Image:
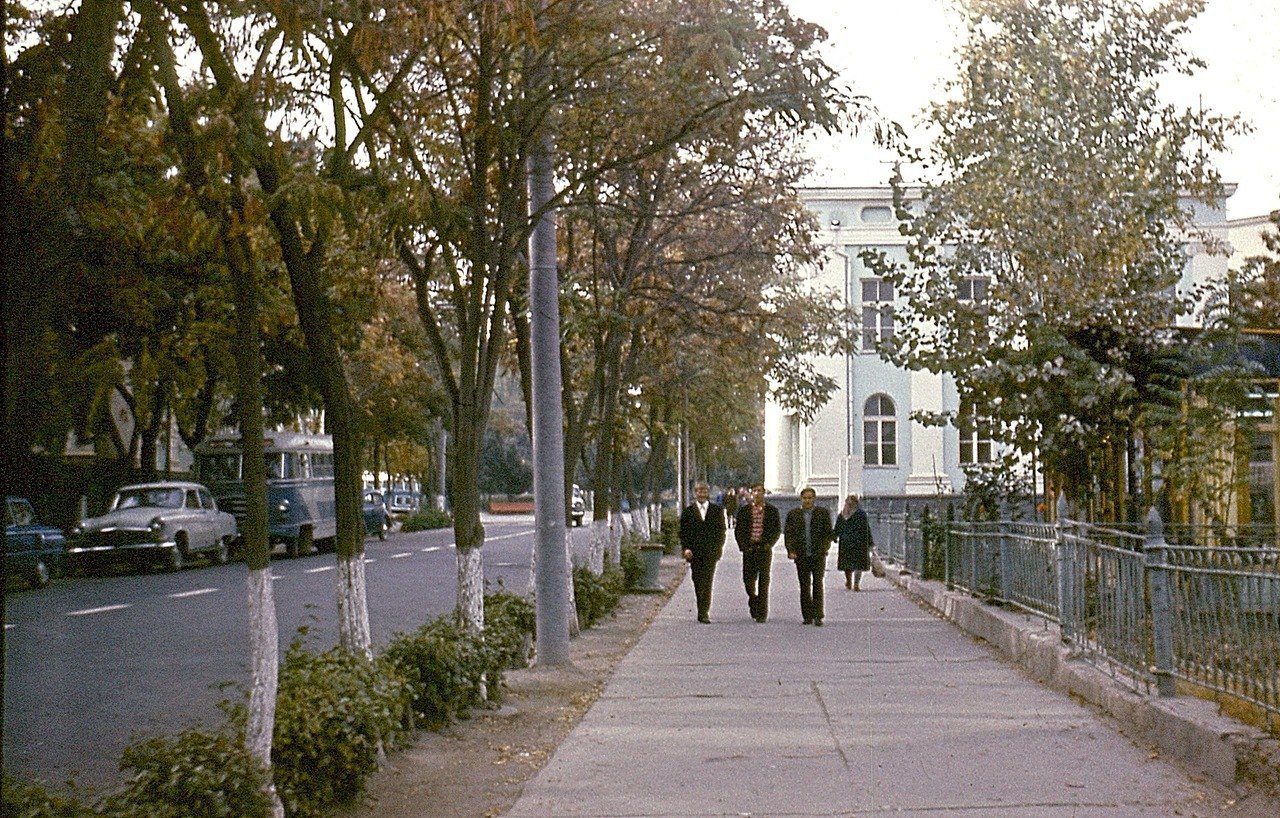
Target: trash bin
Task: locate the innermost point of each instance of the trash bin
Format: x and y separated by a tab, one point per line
651	557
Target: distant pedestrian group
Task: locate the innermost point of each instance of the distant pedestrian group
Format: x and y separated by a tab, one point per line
807	535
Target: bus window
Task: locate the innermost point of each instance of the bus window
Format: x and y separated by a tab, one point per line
275	465
218	467
322	464
304	465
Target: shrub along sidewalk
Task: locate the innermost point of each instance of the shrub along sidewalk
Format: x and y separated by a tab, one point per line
337	714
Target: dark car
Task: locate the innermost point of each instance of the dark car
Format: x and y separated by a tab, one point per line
377	520
402	504
32	551
168	522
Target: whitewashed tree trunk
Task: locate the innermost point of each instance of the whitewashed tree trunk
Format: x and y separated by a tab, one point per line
599	544
616	526
264	649
640	523
353	606
471	588
574	627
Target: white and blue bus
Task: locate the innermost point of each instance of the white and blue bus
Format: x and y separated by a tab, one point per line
301	511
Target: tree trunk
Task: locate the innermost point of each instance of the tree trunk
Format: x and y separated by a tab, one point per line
263	630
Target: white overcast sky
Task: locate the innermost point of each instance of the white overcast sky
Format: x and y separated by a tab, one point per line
898	51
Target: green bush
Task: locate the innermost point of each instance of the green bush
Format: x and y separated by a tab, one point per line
447	668
427	518
670	534
632	566
24	800
594	596
509	621
334	711
197	774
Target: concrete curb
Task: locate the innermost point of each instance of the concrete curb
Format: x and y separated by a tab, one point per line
1184	727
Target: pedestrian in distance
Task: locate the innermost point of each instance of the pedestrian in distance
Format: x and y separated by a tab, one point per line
702	541
730	504
853	537
807	536
756	528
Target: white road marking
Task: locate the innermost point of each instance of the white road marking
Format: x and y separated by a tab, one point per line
9	626
197	592
432	548
509	536
103	609
401	555
368	560
318	570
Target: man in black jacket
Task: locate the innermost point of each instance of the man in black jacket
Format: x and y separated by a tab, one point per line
702	540
807	536
756	528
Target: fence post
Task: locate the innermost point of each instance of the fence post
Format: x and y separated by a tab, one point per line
1066	574
1006	577
1158	581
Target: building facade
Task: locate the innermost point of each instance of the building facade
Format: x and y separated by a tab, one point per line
864	440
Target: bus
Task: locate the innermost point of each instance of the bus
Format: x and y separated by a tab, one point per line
301	512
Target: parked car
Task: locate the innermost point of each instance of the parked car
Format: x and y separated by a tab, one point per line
403	503
377	519
578	506
168	522
32	551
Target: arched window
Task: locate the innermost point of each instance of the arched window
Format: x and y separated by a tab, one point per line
879	432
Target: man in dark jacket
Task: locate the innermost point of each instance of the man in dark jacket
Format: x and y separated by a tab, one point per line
807	536
702	540
756	528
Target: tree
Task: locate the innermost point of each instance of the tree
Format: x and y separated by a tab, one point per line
1049	229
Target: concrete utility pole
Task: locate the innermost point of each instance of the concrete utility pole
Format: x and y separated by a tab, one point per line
551	562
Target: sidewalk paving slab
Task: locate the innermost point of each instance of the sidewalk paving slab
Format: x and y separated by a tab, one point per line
888	708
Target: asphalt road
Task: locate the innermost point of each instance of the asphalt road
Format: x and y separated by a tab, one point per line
93	662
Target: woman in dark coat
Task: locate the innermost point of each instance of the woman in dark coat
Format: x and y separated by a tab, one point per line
852	533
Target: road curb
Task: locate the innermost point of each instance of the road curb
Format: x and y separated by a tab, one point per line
1184	727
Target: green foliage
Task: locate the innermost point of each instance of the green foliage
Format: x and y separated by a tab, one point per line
447	668
1050	226
508	622
196	774
334	711
595	597
426	519
505	464
669	536
25	800
933	532
632	565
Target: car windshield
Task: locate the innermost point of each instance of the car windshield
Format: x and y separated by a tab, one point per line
149	498
18	514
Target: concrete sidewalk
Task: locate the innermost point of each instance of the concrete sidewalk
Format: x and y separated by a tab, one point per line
887	708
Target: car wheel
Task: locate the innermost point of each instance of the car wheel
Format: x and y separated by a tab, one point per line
177	559
302	543
40	574
222	552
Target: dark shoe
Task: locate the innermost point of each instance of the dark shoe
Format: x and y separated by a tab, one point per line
848	583
706	620
817	622
760	619
808	622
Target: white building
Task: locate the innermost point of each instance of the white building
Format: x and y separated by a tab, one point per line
864	441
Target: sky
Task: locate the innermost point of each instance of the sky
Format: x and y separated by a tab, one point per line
897	52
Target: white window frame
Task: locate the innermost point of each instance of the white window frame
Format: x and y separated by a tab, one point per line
879	431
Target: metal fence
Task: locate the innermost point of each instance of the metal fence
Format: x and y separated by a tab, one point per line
1203	605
